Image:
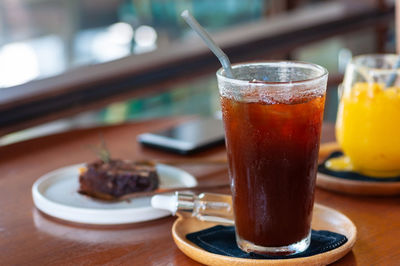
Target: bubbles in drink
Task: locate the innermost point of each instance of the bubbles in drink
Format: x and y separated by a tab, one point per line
273	149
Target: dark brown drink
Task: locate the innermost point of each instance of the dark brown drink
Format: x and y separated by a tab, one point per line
273	151
272	139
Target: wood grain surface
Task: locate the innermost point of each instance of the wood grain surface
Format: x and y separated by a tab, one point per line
28	237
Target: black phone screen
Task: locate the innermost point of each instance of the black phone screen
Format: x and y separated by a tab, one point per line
187	137
197	131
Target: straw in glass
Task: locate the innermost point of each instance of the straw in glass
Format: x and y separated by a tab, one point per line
223	58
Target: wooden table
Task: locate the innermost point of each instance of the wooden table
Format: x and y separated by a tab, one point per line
28	237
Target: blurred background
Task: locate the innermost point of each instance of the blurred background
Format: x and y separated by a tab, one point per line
81	63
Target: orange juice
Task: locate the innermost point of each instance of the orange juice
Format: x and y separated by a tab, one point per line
368	130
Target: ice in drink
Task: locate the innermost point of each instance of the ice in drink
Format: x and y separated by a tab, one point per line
273	152
272	136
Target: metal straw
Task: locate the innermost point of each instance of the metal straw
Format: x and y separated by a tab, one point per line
223	58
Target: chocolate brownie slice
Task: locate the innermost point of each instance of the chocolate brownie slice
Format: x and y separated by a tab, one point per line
117	178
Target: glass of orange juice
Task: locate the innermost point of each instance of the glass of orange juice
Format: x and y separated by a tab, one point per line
368	121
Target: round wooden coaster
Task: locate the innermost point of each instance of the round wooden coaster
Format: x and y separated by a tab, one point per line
353	187
324	218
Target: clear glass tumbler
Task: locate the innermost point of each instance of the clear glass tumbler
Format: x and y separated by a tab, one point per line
272	114
368	121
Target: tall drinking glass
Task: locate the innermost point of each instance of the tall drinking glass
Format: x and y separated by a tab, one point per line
368	121
272	114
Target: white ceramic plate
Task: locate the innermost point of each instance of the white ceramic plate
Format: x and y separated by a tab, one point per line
56	194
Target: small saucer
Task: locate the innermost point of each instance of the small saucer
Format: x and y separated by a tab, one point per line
354	187
324	218
56	194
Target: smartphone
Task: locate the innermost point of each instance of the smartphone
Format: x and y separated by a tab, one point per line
188	137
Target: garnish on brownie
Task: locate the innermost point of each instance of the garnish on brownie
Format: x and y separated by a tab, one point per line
110	179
